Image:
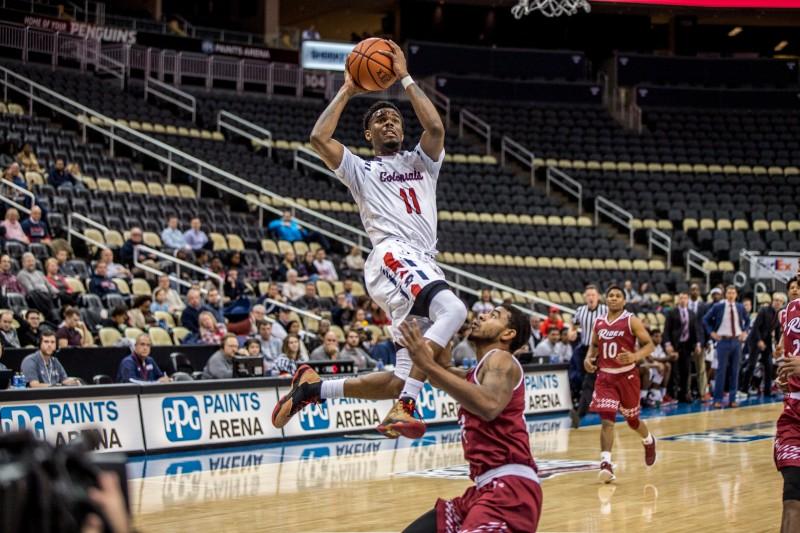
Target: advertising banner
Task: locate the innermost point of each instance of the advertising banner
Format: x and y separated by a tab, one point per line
78	29
323	55
114	422
208	46
770	266
224	417
337	415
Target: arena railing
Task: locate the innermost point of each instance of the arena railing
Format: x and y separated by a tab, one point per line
102	62
749	261
658	239
170	94
566	183
235	124
223	180
511	148
471	121
697	261
73	232
602	206
21	190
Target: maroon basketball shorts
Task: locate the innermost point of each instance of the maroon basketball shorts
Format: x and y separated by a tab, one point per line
617	392
508	504
787	437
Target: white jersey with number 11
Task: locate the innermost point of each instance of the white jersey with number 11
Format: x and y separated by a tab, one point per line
396	195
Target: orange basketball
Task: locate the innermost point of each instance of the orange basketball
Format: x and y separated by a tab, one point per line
371	70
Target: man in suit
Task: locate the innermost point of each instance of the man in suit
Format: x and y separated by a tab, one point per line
699	307
683	344
766	331
726	323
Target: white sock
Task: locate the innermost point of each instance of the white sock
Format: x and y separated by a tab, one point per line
411	388
649	439
332	388
605	457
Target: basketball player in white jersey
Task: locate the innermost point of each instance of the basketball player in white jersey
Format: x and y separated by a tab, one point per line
396	196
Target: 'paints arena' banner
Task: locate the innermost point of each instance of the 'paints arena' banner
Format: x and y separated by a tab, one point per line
135	419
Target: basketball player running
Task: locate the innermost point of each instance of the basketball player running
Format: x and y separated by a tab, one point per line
613	353
396	196
787	437
507	496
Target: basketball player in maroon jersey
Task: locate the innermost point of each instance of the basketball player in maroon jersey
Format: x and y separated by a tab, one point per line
507	496
613	353
787	437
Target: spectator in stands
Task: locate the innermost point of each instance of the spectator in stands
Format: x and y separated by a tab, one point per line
8	281
213	304
39	293
553	320
14	231
220	364
75	169
195	237
118	319
126	251
288	262
294	328
286	363
564	346
325	268
251	348
286	228
352	350
27	159
343	312
140	315
274	294
310	300
172	237
270	346
159	303
62	256
211	331
8	335
547	348
765	333
464	350
42	368
249	326
114	270
536	333
2	366
61	179
485	304
329	351
234	288
73	333
174	300
306	269
347	290
139	366
100	284
359	319
310	34
292	289
378	316
29	330
631	295
354	261
34	227
13	175
66	294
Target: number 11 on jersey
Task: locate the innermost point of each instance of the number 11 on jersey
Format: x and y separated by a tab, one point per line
409	197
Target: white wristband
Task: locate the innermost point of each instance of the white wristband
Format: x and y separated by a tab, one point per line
406	81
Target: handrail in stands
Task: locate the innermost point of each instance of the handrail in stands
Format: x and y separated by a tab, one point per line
697	261
467	119
602	206
172	157
509	146
170	94
658	239
72	232
102	62
23	191
235	123
301	312
314	165
567	183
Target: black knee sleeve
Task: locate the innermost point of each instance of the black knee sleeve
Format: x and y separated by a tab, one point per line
424	524
791	482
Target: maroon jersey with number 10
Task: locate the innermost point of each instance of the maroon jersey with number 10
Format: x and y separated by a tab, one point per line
613	338
787	437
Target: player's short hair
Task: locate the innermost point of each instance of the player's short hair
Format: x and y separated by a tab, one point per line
795	279
519	323
615	288
377	106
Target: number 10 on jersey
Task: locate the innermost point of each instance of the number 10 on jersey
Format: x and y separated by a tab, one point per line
610	350
409	197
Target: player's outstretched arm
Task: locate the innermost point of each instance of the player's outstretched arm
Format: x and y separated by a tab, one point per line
487	400
432	140
646	345
329	149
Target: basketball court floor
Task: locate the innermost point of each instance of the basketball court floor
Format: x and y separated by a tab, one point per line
714	471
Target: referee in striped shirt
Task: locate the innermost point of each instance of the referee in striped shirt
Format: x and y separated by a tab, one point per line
585	317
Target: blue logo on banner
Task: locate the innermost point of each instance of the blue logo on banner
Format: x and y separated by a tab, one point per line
181	418
316	453
22	417
427	401
184	467
315	416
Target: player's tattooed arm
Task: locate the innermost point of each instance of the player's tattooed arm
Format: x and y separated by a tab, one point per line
329	149
646	345
499	375
432	140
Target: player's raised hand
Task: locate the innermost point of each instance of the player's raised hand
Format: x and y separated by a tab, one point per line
398	59
350	85
417	345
